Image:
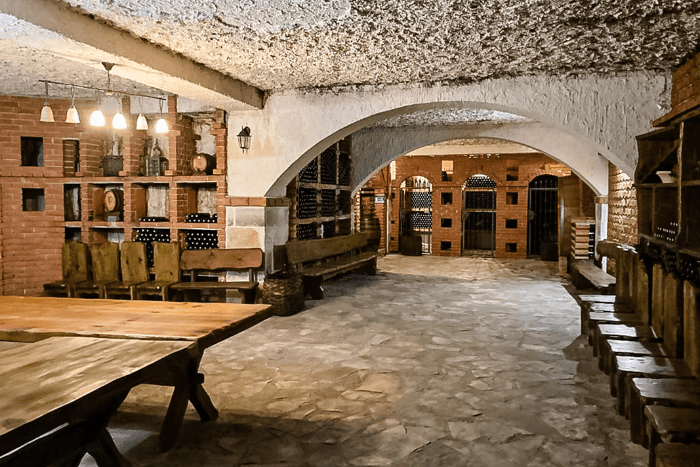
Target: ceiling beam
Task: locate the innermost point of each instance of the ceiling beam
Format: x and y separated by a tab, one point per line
85	29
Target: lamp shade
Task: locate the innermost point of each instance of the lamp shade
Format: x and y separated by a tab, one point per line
46	113
161	126
119	122
141	123
72	116
97	118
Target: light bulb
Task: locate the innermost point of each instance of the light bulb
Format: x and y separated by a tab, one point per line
119	122
46	113
161	126
97	118
141	123
72	115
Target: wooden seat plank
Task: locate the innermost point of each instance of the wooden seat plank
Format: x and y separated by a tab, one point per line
670	392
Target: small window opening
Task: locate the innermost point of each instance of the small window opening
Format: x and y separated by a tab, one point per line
447	170
511	198
512	174
511	223
511	247
446	223
445	246
32	199
446	198
32	151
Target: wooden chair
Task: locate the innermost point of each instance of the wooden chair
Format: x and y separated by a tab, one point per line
74	267
166	258
134	269
105	270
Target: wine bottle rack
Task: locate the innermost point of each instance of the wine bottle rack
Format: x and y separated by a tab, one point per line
201	239
148	236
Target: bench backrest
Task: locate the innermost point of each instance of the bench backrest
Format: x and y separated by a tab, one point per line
221	259
74	261
105	261
313	250
134	262
166	261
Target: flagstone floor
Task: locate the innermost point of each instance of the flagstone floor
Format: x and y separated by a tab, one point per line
433	362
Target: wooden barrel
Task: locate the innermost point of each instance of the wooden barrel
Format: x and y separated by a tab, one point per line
370	225
113	200
203	164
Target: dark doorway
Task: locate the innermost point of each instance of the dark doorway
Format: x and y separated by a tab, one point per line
479	216
543	215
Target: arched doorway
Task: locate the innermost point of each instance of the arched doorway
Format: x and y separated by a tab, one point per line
479	216
543	214
416	212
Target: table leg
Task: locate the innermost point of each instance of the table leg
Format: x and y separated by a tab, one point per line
105	452
187	388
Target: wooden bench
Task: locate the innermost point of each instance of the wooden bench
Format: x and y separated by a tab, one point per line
214	261
677	455
317	260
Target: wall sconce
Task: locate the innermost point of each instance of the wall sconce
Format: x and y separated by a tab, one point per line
244	139
46	112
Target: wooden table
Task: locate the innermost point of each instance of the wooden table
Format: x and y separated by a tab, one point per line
57	395
31	319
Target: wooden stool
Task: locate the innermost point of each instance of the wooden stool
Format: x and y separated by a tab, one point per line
626	332
615	347
596	318
670	392
671	425
627	368
677	455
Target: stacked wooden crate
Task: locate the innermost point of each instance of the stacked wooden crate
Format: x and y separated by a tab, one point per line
582	238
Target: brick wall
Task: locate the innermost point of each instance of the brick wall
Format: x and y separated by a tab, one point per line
496	166
622	210
31	240
685	89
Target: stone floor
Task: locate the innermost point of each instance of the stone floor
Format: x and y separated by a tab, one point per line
433	362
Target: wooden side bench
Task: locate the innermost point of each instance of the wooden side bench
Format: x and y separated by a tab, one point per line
317	260
198	262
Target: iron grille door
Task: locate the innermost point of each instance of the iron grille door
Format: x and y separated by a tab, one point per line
417	210
543	215
479	215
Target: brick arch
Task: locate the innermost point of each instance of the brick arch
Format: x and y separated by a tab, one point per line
488	173
419	173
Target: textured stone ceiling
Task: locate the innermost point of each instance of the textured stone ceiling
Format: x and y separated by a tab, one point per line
286	44
300	44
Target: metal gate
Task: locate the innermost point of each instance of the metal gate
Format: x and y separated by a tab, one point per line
416	211
543	214
479	216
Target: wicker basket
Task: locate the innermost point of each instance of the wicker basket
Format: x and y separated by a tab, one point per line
285	292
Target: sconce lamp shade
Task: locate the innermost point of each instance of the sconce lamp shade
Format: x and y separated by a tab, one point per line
46	113
72	115
97	118
119	122
141	123
244	139
161	126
